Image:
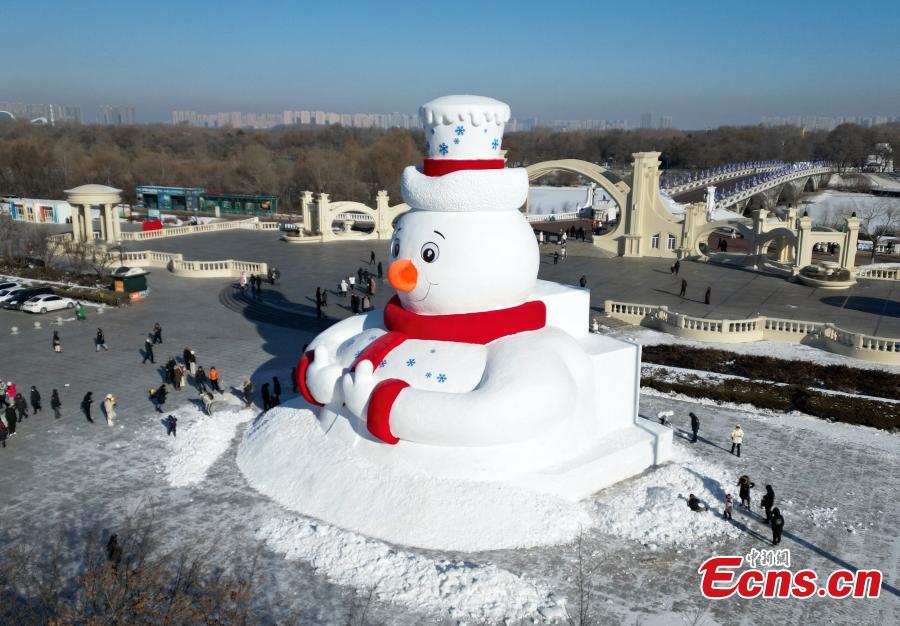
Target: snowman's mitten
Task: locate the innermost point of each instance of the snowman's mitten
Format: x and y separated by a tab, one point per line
357	387
317	376
378	414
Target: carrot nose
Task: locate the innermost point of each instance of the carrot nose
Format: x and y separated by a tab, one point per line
403	275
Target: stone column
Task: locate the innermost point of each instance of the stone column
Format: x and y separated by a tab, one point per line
78	234
848	252
804	243
324	220
104	224
305	201
382	217
115	229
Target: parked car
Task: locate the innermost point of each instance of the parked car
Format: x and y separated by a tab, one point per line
9	284
47	302
8	293
23	295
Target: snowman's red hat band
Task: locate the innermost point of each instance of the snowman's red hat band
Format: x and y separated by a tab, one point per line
439	167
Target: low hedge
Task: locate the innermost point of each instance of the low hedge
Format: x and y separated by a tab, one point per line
99	296
862	411
870	382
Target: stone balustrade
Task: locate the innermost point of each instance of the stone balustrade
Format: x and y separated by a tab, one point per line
175	263
552	217
878	273
817	334
194	229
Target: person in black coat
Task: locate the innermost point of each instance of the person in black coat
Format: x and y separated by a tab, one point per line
380	271
21	406
100	341
777	526
694	503
35	400
276	391
266	398
11	419
707	296
768	501
695	426
55	404
745	486
171	426
160	396
583	281
148	351
86	403
683	288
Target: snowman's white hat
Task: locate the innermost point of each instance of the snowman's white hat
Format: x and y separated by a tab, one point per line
463	168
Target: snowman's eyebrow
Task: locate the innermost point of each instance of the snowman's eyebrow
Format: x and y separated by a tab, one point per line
440	233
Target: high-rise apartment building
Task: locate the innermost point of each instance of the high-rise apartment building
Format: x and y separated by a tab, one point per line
116	115
665	121
646	120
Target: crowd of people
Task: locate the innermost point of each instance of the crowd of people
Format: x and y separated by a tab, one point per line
773	517
360	288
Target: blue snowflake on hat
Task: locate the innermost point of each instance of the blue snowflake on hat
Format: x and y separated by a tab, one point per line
460	131
444	149
495	144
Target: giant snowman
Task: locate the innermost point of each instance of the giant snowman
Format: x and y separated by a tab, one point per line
475	409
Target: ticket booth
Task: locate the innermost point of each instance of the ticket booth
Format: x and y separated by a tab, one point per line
131	281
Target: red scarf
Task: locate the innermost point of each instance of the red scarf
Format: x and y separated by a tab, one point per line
479	328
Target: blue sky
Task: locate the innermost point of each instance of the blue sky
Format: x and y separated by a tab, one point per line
704	63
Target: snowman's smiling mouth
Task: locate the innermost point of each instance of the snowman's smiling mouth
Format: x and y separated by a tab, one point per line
427	291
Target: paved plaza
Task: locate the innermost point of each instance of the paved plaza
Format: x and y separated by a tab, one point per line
79	477
870	307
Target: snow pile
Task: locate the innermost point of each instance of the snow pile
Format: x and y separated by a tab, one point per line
821	517
458	590
288	457
200	441
653	510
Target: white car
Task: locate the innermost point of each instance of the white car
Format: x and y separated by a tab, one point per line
8	285
47	302
7	293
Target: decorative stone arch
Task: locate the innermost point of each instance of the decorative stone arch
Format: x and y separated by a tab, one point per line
327	213
595	173
702	234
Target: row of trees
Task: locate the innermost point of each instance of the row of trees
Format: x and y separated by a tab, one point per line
352	164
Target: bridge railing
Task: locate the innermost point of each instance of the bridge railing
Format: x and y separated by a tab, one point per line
674	189
731	197
552	217
354	217
821	335
194	229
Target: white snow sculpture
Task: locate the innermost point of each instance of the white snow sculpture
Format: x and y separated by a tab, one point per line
475	371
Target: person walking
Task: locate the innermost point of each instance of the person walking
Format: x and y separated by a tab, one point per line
100	341
707	296
159	396
178	377
744	487
55	404
564	252
683	288
192	362
366	304
35	400
319	306
243	281
109	407
79	312
21	407
768	501
214	379
372	287
354	303
266	399
555	257
372	257
582	281
57	343
380	271
737	437
200	379
86	403
695	426
148	351
171	426
170	369
157	333
677	266
247	389
343	287
276	391
729	506
11	419
777	526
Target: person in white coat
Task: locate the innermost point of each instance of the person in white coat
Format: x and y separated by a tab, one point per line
109	407
737	437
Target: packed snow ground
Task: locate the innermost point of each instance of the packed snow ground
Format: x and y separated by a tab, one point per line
835	483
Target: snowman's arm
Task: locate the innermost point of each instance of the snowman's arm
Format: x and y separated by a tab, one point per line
331	339
339	332
523	393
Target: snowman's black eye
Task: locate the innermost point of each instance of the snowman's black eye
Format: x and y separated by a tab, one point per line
395	249
430	252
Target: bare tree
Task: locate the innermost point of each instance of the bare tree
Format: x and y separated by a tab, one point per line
877	216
